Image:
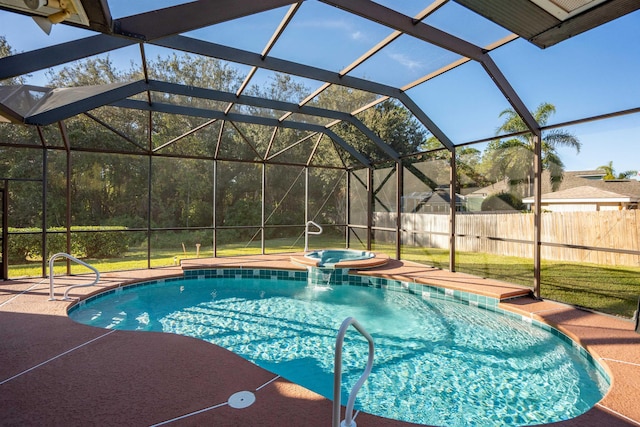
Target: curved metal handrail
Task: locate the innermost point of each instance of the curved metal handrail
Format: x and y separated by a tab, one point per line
337	374
51	276
307	232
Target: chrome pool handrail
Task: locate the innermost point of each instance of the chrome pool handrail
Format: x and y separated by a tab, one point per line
307	232
51	276
337	374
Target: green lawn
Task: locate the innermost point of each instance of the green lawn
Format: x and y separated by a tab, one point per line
608	289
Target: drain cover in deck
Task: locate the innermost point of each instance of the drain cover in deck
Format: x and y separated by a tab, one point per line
241	399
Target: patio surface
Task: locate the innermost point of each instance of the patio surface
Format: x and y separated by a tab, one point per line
57	372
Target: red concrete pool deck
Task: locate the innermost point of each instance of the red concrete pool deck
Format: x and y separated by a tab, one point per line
55	372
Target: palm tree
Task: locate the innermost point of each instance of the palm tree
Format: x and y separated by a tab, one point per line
513	158
610	172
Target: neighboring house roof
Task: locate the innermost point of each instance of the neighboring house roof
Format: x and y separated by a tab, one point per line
438	196
573	179
429	198
584	194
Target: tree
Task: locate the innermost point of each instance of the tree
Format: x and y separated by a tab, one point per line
7	50
513	158
469	166
610	172
395	125
173	154
502	202
389	120
91	71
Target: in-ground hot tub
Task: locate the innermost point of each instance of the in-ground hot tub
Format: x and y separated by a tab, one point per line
341	258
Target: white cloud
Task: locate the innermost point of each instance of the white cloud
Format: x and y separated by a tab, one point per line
334	25
406	61
357	35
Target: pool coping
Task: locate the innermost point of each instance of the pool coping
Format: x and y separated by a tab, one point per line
27	313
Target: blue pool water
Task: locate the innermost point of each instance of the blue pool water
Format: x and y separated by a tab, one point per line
436	362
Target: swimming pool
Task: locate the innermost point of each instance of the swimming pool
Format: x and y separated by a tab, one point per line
437	362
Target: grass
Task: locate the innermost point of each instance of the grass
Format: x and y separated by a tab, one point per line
136	258
608	289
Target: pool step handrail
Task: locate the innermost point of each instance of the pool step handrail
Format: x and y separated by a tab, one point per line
337	374
307	232
52	296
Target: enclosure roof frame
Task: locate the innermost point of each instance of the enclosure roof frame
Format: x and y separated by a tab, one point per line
164	27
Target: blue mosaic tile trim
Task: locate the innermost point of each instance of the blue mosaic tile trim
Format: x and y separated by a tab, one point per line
116	290
425	291
584	353
245	273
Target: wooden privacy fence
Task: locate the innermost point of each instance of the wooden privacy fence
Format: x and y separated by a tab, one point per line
605	233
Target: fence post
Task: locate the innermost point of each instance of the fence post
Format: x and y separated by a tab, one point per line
638	317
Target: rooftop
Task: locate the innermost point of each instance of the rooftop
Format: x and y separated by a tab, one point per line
583	194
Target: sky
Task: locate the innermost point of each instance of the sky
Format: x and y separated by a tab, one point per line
587	75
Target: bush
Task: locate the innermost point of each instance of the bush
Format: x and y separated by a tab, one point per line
502	202
95	243
90	242
25	245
